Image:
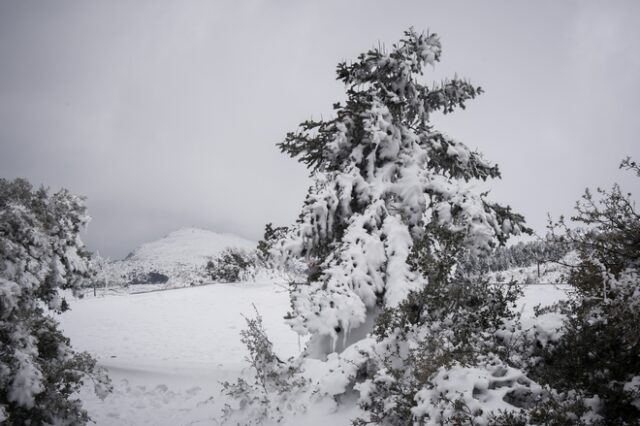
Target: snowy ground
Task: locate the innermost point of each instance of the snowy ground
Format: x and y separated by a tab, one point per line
167	351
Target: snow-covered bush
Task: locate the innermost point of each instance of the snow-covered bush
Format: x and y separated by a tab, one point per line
266	244
107	274
442	356
273	380
271	268
598	353
152	277
232	265
40	253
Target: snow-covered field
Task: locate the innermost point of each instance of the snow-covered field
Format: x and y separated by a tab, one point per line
167	351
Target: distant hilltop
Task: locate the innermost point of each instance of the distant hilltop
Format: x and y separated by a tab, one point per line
188	246
178	258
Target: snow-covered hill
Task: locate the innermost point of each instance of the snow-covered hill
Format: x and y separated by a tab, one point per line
187	246
180	257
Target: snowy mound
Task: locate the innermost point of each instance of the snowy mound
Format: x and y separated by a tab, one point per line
187	246
177	259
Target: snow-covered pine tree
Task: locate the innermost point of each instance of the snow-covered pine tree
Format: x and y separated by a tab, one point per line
385	185
265	245
40	253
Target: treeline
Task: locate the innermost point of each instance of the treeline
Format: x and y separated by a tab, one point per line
520	255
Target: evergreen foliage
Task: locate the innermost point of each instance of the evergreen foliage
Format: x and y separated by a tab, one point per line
273	379
266	244
386	183
520	255
599	352
230	266
450	327
41	253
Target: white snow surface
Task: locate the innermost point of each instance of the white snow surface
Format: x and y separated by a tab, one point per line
167	351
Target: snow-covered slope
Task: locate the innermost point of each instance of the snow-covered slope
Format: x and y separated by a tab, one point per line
187	246
180	256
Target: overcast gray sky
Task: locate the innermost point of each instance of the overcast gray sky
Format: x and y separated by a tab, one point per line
165	114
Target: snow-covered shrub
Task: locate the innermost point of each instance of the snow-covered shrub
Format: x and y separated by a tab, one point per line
107	274
40	253
266	244
268	266
548	408
144	277
272	381
230	266
598	353
442	356
154	277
